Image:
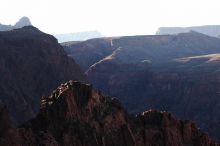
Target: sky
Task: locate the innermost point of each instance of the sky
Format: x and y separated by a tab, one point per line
110	17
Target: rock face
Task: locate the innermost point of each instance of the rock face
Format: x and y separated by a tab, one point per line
211	30
89	52
32	63
176	73
24	21
76	115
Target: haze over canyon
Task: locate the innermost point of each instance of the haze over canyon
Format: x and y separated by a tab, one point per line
143	90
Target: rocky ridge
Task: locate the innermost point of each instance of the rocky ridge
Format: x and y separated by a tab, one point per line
76	114
32	64
176	73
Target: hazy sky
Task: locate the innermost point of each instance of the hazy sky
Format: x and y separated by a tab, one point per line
110	17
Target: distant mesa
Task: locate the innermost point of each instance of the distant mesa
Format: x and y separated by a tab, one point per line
24	21
78	36
211	30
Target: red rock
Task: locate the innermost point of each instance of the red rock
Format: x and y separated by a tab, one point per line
77	115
